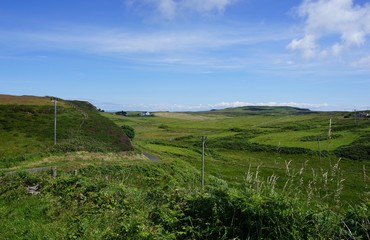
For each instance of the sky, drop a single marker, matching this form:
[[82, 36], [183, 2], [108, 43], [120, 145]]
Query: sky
[[188, 55]]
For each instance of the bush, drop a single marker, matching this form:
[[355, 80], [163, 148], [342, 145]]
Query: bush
[[314, 138], [354, 151], [129, 131], [358, 150], [240, 142]]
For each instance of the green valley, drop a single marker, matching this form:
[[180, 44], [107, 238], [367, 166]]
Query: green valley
[[270, 173], [279, 141]]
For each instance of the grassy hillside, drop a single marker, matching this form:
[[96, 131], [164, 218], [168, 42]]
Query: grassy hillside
[[27, 127]]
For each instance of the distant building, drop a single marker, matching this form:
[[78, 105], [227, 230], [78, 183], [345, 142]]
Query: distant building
[[145, 114], [362, 115]]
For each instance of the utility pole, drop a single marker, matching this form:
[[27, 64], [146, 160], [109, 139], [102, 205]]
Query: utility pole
[[203, 144], [318, 146], [55, 121], [329, 133]]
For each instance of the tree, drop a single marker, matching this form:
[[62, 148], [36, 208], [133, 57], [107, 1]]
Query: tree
[[122, 113], [129, 131]]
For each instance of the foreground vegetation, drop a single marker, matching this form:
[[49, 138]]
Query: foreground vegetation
[[267, 177], [136, 199]]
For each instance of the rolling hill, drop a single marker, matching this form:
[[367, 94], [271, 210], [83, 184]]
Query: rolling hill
[[262, 110], [27, 127]]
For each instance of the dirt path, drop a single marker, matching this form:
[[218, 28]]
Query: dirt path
[[151, 157]]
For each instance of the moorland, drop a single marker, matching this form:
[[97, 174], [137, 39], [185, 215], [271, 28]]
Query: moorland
[[270, 173]]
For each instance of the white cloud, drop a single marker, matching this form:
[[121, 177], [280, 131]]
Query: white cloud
[[306, 45], [122, 41], [331, 27], [170, 9], [363, 62], [187, 47], [206, 6]]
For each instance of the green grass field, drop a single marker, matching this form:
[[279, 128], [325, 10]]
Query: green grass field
[[265, 178], [277, 141]]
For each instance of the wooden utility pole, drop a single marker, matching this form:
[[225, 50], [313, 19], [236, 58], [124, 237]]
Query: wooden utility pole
[[203, 144], [318, 146], [329, 133], [55, 121]]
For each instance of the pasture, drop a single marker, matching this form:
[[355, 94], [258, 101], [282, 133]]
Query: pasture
[[265, 177], [281, 143]]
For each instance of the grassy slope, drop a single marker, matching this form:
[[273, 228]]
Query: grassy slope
[[237, 142], [27, 124]]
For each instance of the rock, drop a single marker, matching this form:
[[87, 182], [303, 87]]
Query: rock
[[33, 190]]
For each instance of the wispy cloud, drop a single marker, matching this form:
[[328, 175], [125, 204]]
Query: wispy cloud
[[331, 27], [206, 5], [363, 63], [223, 47], [171, 9]]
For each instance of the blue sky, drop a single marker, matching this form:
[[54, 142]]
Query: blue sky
[[188, 54]]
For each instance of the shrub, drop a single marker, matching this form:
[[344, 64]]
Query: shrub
[[358, 150], [321, 137], [240, 142], [129, 131], [354, 151]]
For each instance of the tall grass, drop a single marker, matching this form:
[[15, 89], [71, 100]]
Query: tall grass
[[164, 201]]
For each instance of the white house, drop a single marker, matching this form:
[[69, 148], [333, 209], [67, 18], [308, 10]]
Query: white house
[[145, 114]]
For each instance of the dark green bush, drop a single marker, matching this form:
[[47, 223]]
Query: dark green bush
[[129, 131], [240, 142], [354, 151], [321, 137], [358, 150]]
